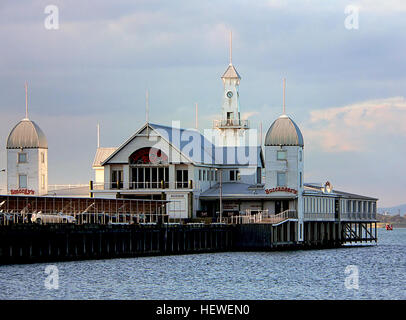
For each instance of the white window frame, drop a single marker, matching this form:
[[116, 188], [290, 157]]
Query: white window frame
[[277, 178], [26, 181], [20, 154], [281, 152]]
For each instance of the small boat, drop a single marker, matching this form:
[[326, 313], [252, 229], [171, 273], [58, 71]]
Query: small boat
[[389, 226]]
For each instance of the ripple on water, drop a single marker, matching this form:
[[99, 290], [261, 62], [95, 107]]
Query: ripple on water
[[310, 274]]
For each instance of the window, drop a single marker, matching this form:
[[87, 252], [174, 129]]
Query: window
[[43, 181], [216, 175], [153, 177], [200, 175], [234, 175], [259, 175], [182, 178], [204, 175], [300, 155], [300, 179], [22, 181], [281, 155], [281, 179], [42, 157], [22, 158], [117, 179]]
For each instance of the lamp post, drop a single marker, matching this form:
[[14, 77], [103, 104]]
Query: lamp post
[[3, 170], [221, 193]]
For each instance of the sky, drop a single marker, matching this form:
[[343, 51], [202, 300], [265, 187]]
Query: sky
[[345, 87]]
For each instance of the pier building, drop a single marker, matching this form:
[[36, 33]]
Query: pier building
[[223, 175]]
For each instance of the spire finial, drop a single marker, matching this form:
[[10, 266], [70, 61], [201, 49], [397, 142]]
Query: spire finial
[[26, 100], [98, 135], [231, 47], [284, 85], [197, 121], [147, 110], [147, 106]]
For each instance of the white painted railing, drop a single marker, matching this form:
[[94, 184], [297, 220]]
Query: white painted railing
[[262, 216], [358, 216], [318, 216]]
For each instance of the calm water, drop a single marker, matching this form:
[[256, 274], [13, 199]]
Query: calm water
[[314, 274]]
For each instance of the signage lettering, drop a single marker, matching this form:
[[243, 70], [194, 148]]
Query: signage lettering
[[22, 191], [280, 189]]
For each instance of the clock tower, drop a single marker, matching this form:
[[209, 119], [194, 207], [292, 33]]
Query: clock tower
[[230, 128]]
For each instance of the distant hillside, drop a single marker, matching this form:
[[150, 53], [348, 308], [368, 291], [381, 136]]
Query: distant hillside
[[396, 221], [394, 210]]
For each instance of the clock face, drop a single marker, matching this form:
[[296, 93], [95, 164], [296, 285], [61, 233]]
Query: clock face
[[229, 94]]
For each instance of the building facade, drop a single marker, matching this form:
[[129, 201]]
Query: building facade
[[204, 176], [27, 159]]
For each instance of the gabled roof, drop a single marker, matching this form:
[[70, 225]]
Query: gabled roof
[[231, 72], [101, 155], [199, 150], [180, 138], [317, 188]]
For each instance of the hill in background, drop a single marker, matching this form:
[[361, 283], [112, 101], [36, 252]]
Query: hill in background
[[400, 209]]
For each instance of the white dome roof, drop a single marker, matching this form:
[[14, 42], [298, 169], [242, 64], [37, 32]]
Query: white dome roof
[[285, 132], [26, 134]]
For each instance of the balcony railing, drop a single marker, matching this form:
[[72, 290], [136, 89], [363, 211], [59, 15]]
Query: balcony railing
[[143, 185], [318, 216], [261, 216], [231, 123], [358, 216]]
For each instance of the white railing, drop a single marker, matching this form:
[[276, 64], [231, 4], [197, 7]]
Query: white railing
[[262, 216], [318, 216], [358, 216], [143, 185], [58, 187], [230, 123], [285, 215]]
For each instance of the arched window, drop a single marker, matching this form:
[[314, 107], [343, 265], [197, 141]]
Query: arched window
[[148, 155]]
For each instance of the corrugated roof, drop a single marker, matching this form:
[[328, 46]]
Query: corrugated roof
[[26, 134], [101, 155], [231, 72], [206, 152], [317, 188], [199, 149], [234, 190], [285, 132]]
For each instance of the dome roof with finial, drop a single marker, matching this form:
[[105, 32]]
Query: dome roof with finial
[[26, 134], [285, 132]]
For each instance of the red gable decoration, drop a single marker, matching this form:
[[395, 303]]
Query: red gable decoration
[[148, 155]]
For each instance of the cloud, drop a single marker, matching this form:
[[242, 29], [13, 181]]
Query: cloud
[[246, 115], [356, 127]]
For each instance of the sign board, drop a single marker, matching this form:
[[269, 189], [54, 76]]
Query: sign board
[[280, 189], [178, 206], [22, 191]]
